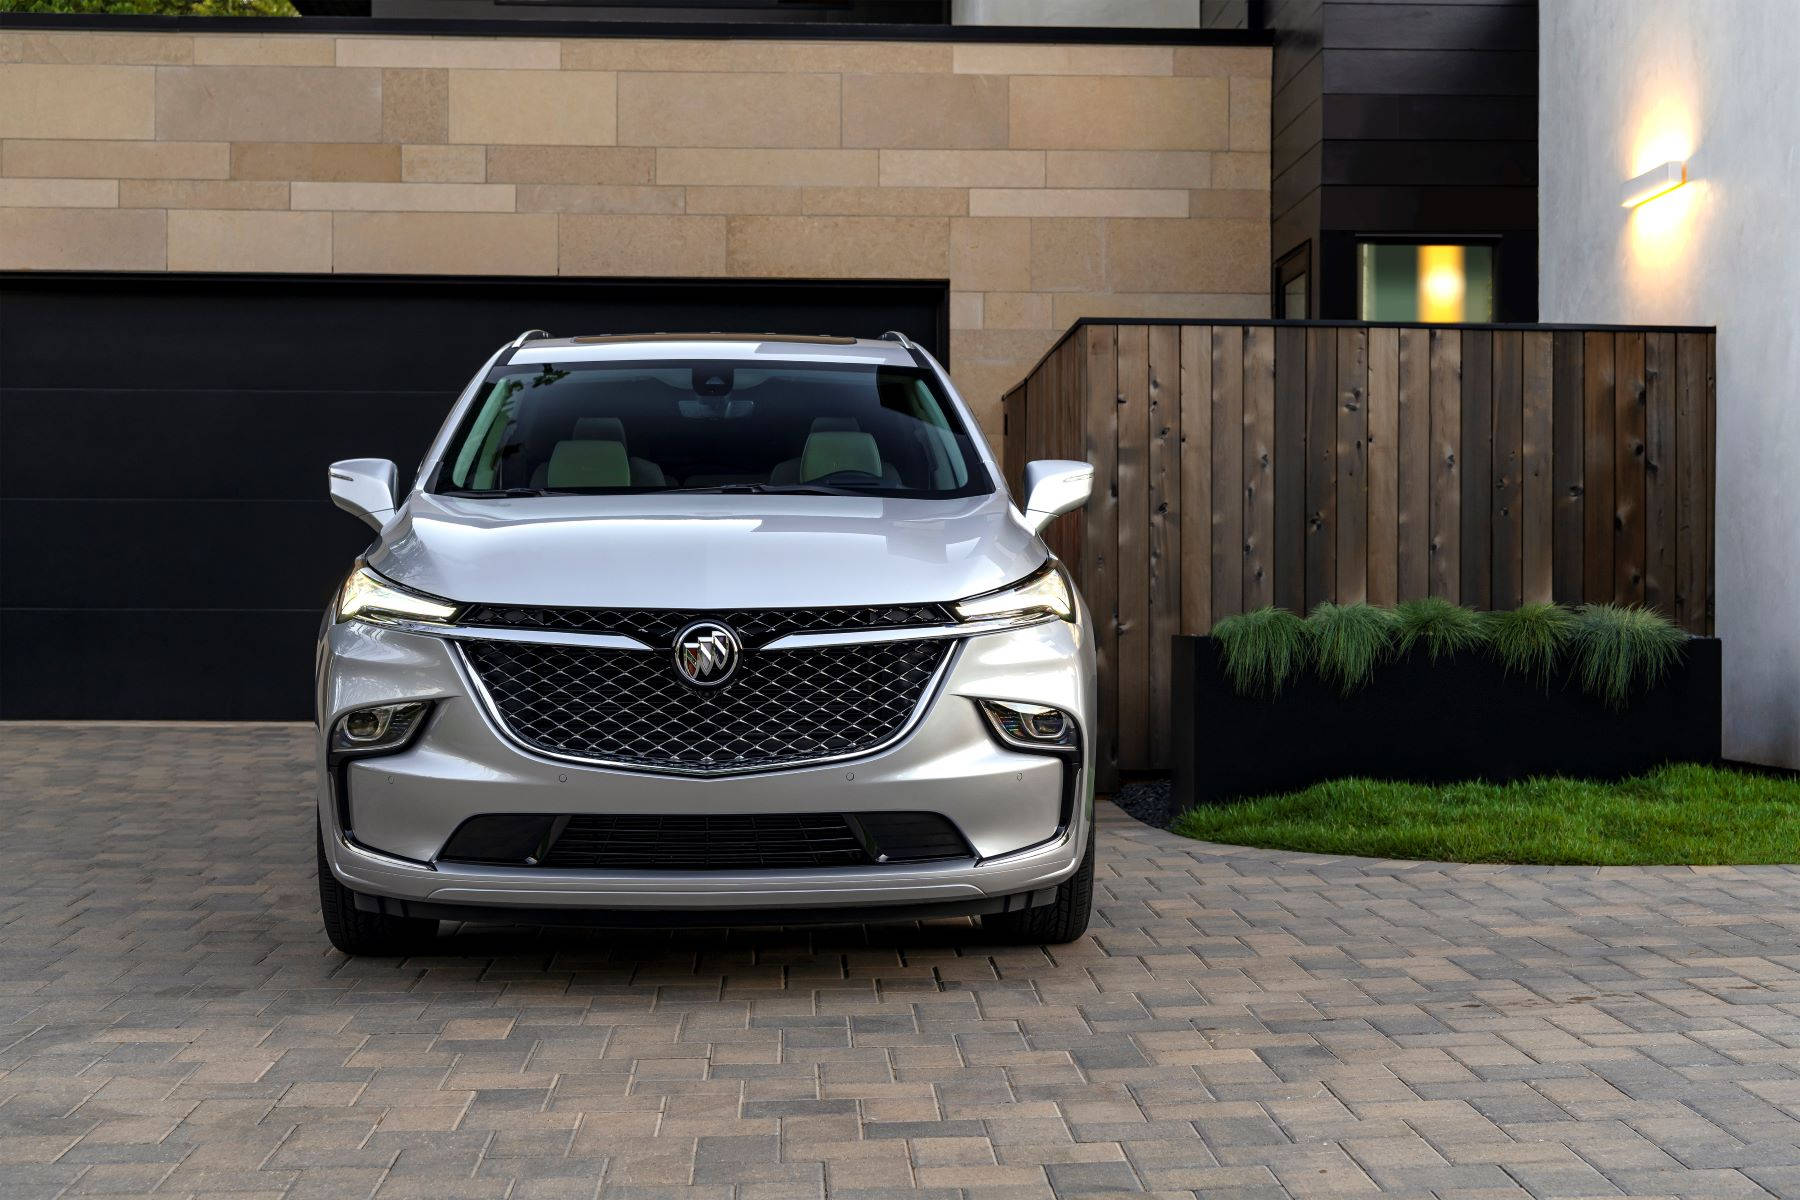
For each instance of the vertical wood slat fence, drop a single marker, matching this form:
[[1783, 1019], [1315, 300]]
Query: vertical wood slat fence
[[1291, 463]]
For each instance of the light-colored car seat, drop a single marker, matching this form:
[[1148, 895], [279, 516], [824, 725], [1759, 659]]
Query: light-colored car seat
[[644, 473], [791, 470], [585, 463], [830, 452]]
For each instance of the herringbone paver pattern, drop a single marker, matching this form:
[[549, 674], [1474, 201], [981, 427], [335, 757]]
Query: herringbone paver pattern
[[1240, 1023]]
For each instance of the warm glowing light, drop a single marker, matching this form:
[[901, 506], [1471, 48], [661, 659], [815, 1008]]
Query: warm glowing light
[[1662, 242], [1659, 238], [1442, 283], [1664, 130], [1657, 181]]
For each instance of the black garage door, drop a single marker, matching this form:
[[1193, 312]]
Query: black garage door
[[166, 547]]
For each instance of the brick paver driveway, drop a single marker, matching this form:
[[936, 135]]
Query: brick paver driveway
[[1240, 1023]]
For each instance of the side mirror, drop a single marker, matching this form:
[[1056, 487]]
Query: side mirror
[[1054, 486], [364, 487]]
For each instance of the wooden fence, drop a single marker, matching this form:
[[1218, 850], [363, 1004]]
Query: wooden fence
[[1296, 462]]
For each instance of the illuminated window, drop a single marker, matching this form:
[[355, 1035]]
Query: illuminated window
[[1404, 281]]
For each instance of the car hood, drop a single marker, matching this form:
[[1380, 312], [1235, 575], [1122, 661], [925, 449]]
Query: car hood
[[705, 551]]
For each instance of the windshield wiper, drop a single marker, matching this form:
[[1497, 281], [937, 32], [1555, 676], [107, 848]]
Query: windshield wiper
[[811, 489], [495, 493], [765, 489]]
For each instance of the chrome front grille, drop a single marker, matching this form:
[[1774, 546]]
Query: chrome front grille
[[781, 708], [757, 627]]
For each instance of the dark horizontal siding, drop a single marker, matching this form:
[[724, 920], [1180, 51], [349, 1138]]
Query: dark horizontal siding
[[1297, 117], [1429, 164], [1303, 132], [1297, 180], [1430, 26], [1401, 118], [1441, 118], [1445, 210], [1292, 98], [1432, 72]]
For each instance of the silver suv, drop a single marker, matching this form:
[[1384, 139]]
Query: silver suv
[[711, 628]]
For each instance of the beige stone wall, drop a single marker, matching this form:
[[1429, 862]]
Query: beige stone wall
[[1045, 182]]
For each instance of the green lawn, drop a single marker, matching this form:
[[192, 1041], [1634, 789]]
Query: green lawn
[[1685, 814]]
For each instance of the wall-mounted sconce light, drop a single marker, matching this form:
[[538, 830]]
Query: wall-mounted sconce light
[[1653, 183]]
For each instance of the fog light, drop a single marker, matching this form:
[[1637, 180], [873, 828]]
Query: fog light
[[366, 726], [1031, 726], [380, 729]]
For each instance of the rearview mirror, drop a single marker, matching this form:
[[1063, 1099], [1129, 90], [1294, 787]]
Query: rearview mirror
[[1054, 486], [364, 487]]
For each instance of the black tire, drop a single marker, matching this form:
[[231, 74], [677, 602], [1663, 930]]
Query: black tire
[[364, 933], [1054, 924]]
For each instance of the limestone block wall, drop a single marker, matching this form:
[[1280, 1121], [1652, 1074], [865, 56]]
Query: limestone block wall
[[1044, 182]]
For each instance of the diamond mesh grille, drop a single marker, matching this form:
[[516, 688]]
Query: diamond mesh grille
[[658, 626], [781, 707]]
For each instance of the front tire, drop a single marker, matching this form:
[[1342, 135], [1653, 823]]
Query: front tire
[[359, 933], [1055, 924]]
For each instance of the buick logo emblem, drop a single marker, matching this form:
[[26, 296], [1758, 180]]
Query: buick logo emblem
[[706, 653]]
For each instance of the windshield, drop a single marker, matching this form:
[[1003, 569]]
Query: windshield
[[806, 428]]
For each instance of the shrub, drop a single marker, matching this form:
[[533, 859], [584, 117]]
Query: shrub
[[1442, 627], [1620, 650], [1614, 651], [1529, 640], [1261, 649], [161, 8], [1348, 640]]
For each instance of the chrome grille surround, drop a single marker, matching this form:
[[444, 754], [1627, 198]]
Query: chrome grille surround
[[782, 709], [657, 626]]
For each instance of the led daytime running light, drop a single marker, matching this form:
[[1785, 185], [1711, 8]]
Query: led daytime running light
[[368, 597], [1046, 593]]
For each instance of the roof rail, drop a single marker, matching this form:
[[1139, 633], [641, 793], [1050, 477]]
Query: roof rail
[[912, 348], [527, 336]]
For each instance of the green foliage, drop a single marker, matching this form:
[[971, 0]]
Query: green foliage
[[1440, 626], [1348, 640], [156, 8], [1261, 649], [1615, 652], [1529, 640], [1621, 650], [1690, 815]]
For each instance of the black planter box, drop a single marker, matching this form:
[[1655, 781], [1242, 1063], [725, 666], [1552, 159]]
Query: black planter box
[[1459, 718]]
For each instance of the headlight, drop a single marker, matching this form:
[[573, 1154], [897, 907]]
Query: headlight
[[1044, 593], [1031, 726], [381, 729], [369, 597]]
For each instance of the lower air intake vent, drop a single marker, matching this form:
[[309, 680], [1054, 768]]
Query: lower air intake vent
[[696, 843], [704, 842]]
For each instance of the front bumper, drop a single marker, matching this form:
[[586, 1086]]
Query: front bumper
[[1026, 816]]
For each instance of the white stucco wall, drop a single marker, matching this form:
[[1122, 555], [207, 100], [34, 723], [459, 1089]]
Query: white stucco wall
[[1628, 84]]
